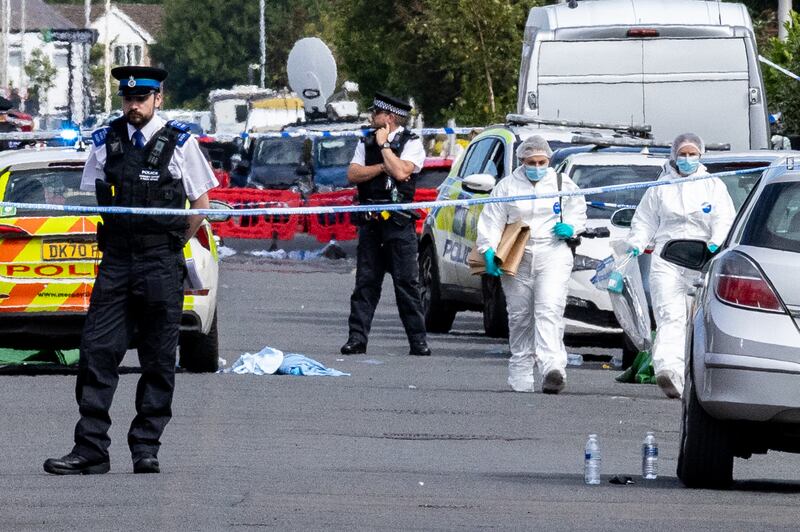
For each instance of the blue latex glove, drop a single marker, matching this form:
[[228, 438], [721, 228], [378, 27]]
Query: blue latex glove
[[563, 231], [712, 247], [634, 251], [491, 266]]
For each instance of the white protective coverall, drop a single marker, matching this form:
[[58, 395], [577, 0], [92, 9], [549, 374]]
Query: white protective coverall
[[537, 295], [699, 210]]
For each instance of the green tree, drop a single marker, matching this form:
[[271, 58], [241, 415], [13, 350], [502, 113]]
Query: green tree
[[457, 58], [41, 76], [783, 92], [207, 44]]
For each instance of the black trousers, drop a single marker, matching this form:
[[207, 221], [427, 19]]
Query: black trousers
[[384, 246], [136, 290]]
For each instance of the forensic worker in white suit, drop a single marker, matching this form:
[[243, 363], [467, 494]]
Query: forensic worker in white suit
[[698, 210], [537, 295]]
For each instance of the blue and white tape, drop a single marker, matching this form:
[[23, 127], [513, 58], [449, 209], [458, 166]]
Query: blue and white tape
[[361, 132], [333, 209], [778, 68]]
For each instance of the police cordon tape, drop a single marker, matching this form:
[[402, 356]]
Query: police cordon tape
[[368, 208], [361, 132], [87, 134]]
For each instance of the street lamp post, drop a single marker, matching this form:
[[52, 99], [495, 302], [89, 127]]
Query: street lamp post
[[263, 42]]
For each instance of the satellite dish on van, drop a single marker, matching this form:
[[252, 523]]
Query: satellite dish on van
[[312, 73]]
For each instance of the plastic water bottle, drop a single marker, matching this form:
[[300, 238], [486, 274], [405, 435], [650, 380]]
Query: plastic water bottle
[[650, 457], [591, 463]]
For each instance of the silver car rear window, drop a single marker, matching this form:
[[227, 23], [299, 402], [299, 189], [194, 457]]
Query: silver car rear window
[[775, 219]]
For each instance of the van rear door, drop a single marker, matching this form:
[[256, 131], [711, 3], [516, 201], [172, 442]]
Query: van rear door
[[699, 85], [593, 80]]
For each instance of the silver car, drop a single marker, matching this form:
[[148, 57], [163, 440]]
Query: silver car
[[743, 344]]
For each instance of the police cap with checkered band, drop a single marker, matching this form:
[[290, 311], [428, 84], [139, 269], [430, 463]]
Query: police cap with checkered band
[[384, 102]]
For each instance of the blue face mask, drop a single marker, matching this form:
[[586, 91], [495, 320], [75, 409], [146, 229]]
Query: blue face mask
[[687, 164], [535, 173]]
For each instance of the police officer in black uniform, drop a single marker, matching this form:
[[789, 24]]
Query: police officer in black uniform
[[139, 161], [384, 167]]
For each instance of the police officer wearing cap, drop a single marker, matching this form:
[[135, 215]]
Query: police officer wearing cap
[[138, 161], [384, 168]]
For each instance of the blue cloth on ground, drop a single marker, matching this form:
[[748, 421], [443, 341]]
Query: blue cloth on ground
[[270, 361]]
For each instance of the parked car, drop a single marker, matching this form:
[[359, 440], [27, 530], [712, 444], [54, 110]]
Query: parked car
[[449, 233], [302, 163], [48, 261], [743, 342]]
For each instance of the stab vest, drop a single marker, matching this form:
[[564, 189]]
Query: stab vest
[[379, 188], [141, 178]]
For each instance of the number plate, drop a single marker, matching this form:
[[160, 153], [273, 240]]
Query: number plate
[[70, 251]]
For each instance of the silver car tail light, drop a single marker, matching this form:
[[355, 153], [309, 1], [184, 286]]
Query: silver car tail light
[[738, 281]]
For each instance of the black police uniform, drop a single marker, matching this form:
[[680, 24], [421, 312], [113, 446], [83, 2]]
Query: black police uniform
[[386, 245], [138, 293]]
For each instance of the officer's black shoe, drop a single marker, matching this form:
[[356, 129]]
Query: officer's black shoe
[[420, 349], [146, 464], [75, 464], [354, 347]]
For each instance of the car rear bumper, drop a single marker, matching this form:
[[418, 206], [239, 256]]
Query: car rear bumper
[[746, 363], [750, 388]]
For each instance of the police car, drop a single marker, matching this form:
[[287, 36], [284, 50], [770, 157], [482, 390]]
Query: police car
[[49, 260], [449, 234]]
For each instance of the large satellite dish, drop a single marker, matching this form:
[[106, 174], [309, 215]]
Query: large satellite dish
[[312, 73]]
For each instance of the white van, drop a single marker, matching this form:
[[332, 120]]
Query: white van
[[676, 65]]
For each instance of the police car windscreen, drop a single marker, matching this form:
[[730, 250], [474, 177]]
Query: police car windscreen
[[587, 176], [51, 186], [335, 152]]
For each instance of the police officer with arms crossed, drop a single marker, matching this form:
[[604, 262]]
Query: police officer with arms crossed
[[384, 167], [139, 161]]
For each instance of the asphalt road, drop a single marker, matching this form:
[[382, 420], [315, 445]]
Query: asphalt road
[[404, 443]]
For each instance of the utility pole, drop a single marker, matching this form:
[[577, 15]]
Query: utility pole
[[784, 7], [107, 43], [6, 33], [23, 82], [263, 41]]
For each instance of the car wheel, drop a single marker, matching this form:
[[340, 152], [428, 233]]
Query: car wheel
[[199, 353], [495, 315], [629, 351], [705, 458], [439, 315]]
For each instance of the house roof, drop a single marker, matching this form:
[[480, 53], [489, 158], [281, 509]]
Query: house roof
[[39, 16], [148, 17]]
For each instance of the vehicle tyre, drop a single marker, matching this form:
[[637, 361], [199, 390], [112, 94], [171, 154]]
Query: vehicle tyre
[[199, 353], [495, 314], [705, 458], [439, 315], [629, 351]]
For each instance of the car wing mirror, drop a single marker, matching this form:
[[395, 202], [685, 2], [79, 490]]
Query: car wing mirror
[[221, 206], [691, 254], [622, 217], [479, 183]]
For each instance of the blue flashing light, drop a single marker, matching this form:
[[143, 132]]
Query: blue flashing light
[[69, 134]]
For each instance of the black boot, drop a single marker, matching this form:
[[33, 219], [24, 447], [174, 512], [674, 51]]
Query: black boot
[[354, 347], [419, 349], [75, 464]]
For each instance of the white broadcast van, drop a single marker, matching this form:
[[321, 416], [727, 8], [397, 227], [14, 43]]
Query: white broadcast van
[[676, 65]]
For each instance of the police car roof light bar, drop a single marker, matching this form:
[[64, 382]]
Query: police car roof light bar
[[637, 129], [605, 142]]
